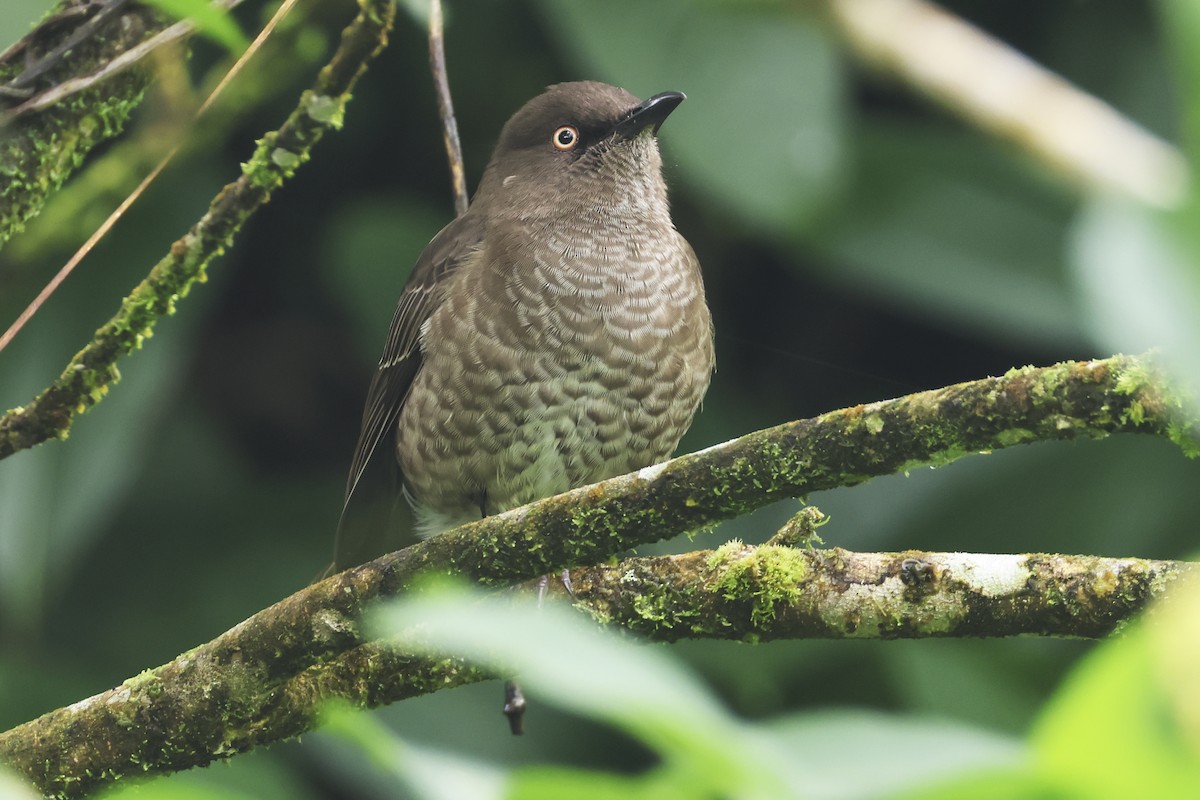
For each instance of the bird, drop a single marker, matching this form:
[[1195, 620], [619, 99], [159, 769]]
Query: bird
[[553, 335]]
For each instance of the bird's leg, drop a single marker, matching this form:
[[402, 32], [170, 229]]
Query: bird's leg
[[514, 707], [514, 698], [543, 585]]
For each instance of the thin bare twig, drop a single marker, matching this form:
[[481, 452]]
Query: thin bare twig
[[437, 63]]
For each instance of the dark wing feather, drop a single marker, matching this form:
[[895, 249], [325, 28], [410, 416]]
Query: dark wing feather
[[397, 368]]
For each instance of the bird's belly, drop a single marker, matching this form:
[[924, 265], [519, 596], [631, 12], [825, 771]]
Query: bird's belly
[[482, 442]]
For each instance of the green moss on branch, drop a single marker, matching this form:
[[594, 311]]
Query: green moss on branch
[[266, 679], [763, 593], [39, 151], [93, 370]]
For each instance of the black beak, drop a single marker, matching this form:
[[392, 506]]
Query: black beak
[[649, 114]]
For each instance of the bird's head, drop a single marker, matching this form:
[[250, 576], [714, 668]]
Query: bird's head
[[577, 146]]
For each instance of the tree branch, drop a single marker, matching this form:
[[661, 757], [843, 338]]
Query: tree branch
[[997, 89], [263, 679], [773, 592], [90, 373], [39, 151], [217, 700]]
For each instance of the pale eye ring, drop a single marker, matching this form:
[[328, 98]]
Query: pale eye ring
[[566, 137]]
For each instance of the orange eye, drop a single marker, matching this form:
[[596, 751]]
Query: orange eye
[[566, 137]]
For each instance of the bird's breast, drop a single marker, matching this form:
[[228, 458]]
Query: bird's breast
[[571, 355]]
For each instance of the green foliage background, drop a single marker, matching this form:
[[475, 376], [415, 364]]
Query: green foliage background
[[858, 243]]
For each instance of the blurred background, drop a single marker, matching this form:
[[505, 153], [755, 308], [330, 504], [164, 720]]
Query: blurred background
[[858, 240]]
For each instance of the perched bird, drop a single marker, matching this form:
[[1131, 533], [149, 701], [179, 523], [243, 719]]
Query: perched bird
[[554, 335]]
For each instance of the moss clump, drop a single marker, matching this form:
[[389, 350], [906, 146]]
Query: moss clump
[[1154, 396], [765, 577]]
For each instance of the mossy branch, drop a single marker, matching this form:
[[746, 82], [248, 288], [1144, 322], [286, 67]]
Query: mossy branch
[[777, 591], [279, 153], [264, 679], [39, 151], [232, 694]]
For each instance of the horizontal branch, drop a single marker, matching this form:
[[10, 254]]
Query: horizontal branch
[[279, 154], [772, 592], [202, 707], [738, 592], [262, 680]]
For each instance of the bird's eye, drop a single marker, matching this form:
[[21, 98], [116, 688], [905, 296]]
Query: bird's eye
[[566, 137]]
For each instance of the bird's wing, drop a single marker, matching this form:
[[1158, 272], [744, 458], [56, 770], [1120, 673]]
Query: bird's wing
[[401, 360]]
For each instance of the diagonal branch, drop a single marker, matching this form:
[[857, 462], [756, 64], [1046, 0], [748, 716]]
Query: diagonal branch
[[90, 373], [770, 592], [263, 680]]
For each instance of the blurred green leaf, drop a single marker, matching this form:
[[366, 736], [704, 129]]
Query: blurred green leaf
[[433, 774], [563, 660], [1126, 723], [1025, 784], [210, 21], [551, 783], [949, 226], [56, 499], [761, 133], [845, 754], [368, 248], [1139, 275], [172, 789], [13, 788], [430, 774], [1181, 29]]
